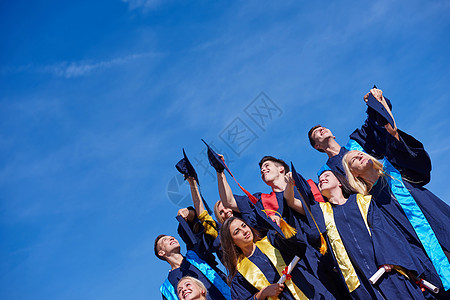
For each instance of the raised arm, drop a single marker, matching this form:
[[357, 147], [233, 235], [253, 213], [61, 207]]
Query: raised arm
[[378, 94], [225, 192], [196, 198], [291, 201]]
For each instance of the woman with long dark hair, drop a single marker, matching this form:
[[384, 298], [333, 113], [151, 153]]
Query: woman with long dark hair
[[255, 265]]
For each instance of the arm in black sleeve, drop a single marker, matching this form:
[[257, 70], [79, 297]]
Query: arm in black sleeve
[[409, 157]]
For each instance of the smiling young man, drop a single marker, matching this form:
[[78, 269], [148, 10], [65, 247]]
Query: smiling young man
[[167, 248], [371, 138], [272, 173]]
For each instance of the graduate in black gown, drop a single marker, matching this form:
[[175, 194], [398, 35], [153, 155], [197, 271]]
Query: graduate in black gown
[[361, 239], [371, 137], [408, 159], [255, 265], [272, 172], [167, 248], [419, 214]]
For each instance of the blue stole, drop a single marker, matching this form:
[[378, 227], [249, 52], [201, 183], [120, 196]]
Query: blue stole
[[414, 214], [418, 221], [169, 292]]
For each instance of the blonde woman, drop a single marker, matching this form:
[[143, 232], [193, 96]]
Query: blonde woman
[[422, 217], [190, 288], [361, 239]]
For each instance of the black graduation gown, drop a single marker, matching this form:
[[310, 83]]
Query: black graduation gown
[[384, 246], [194, 236], [410, 158], [319, 265], [306, 281]]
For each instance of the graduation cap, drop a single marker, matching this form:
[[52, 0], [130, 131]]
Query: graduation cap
[[219, 164], [185, 167], [214, 160], [304, 190], [382, 115]]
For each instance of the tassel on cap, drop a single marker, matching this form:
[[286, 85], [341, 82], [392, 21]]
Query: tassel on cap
[[287, 229]]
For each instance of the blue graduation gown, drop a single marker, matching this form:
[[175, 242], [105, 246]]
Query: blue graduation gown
[[187, 269], [301, 275], [384, 246]]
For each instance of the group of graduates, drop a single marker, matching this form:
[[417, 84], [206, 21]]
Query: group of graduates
[[366, 229]]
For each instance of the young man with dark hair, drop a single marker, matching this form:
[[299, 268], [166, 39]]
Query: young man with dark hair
[[371, 137], [273, 171], [168, 248]]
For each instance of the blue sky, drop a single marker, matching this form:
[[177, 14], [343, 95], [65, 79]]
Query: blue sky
[[97, 99]]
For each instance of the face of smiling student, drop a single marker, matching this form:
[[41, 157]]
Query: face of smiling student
[[320, 135], [328, 181], [188, 289], [168, 244], [271, 171], [224, 212]]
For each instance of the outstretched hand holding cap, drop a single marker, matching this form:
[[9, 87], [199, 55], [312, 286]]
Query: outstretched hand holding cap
[[214, 159]]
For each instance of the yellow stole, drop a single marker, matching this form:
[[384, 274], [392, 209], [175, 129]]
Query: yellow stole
[[346, 266], [256, 277]]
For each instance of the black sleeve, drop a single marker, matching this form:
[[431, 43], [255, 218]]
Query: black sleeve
[[409, 157], [197, 240], [372, 137]]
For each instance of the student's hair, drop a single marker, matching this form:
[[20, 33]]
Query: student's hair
[[311, 140], [232, 253], [156, 246], [359, 184], [197, 282], [217, 213], [346, 188], [276, 161]]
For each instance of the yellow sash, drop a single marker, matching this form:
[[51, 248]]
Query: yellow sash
[[256, 277], [346, 266], [363, 204]]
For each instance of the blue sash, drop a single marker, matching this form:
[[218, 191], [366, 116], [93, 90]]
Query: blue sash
[[209, 273], [169, 291], [420, 224]]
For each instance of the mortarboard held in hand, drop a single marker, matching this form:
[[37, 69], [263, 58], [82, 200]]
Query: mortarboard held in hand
[[185, 167], [382, 116], [214, 160]]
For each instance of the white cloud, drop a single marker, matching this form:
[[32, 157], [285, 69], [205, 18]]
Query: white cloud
[[83, 68], [143, 4], [74, 69]]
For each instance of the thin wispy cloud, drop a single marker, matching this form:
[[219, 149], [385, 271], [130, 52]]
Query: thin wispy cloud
[[143, 4], [83, 68], [67, 69]]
